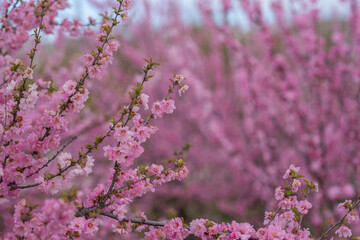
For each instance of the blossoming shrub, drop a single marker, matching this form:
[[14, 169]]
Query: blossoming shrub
[[61, 178], [282, 92]]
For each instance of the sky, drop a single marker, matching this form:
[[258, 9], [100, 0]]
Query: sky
[[81, 9]]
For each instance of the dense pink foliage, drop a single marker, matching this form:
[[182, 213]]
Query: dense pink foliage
[[283, 92], [78, 153]]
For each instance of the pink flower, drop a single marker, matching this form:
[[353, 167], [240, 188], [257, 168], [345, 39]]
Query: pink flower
[[296, 184], [242, 231], [100, 38], [74, 30], [137, 120], [345, 205], [69, 87], [352, 217], [268, 216], [179, 79], [79, 99], [279, 194], [288, 216], [315, 186], [197, 227], [84, 168], [28, 73], [98, 191], [122, 228], [105, 58], [51, 186], [142, 133], [91, 227], [293, 201], [304, 206], [182, 89], [111, 46], [88, 60], [144, 99], [64, 159], [168, 106], [115, 153], [157, 109], [95, 71], [127, 4], [120, 211], [285, 204], [123, 134], [343, 231], [77, 225], [29, 102], [165, 106], [175, 230], [156, 169], [154, 234], [182, 173], [11, 86], [135, 148], [289, 173]]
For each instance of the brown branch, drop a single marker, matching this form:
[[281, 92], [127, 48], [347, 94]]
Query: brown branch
[[340, 221], [117, 168], [51, 159], [134, 220], [273, 217], [13, 7], [278, 210], [32, 54]]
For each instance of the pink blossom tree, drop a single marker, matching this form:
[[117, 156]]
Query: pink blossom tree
[[73, 141], [283, 92]]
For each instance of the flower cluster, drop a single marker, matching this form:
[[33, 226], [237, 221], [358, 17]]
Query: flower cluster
[[49, 222], [36, 116], [285, 223]]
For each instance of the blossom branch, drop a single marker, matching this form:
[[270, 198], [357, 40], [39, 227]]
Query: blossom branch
[[273, 217], [101, 203], [134, 220], [32, 54], [117, 169], [307, 193], [79, 84], [100, 139], [278, 210], [340, 221], [51, 159], [82, 81], [12, 8]]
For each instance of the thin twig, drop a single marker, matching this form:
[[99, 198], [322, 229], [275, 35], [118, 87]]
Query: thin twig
[[5, 120], [82, 81], [273, 217], [32, 56], [134, 220], [51, 159], [278, 210], [13, 7], [117, 168], [340, 221]]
